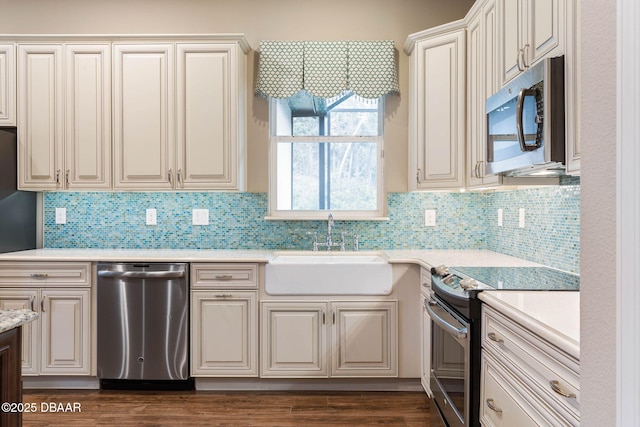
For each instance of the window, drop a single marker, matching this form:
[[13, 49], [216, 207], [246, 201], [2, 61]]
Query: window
[[326, 155]]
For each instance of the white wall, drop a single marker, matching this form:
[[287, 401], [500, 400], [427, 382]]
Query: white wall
[[598, 218], [258, 20]]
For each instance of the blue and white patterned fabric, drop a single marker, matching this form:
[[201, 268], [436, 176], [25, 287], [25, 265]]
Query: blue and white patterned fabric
[[326, 69]]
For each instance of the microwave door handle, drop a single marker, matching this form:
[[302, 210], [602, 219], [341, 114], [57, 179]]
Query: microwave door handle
[[519, 120]]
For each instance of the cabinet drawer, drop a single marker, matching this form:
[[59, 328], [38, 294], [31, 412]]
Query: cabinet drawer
[[232, 275], [537, 362], [45, 273], [505, 401]]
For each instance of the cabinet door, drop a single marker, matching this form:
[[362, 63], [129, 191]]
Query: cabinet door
[[364, 339], [294, 339], [144, 141], [480, 85], [426, 349], [66, 327], [545, 29], [7, 85], [437, 133], [573, 88], [207, 116], [19, 299], [224, 340], [88, 116], [512, 18], [40, 119]]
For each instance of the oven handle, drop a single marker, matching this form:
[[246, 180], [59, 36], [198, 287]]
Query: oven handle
[[459, 334]]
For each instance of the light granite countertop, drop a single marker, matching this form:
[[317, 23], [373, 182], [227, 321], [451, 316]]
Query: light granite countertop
[[538, 310], [426, 258], [552, 315], [10, 319]]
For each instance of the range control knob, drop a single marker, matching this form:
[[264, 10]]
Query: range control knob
[[441, 270], [468, 283]]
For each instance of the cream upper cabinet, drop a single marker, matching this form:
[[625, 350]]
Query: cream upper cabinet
[[210, 116], [572, 88], [143, 98], [88, 116], [191, 139], [40, 117], [437, 108], [7, 85], [64, 121], [529, 31], [481, 50]]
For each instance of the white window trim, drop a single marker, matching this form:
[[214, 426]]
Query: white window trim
[[274, 214]]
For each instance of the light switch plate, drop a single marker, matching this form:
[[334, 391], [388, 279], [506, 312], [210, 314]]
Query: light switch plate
[[200, 217], [430, 217], [61, 215], [152, 217], [500, 214], [521, 217]]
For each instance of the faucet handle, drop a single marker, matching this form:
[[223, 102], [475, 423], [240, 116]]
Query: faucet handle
[[315, 239]]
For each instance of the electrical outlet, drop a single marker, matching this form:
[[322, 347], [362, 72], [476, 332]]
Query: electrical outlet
[[500, 214], [430, 218], [61, 215], [521, 217], [200, 217], [152, 217]]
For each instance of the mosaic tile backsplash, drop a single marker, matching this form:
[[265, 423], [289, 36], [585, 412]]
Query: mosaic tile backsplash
[[236, 221]]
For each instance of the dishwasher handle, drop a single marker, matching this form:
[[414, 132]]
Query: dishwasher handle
[[141, 274]]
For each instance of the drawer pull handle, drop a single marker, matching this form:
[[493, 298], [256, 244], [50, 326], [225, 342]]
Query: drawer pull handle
[[224, 296], [493, 337], [555, 386], [492, 406], [39, 275], [224, 277]]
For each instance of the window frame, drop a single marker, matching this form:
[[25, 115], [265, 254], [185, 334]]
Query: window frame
[[275, 214]]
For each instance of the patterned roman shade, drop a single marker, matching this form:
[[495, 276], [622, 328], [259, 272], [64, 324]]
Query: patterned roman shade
[[326, 69]]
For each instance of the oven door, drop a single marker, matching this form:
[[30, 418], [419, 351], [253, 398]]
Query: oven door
[[450, 357]]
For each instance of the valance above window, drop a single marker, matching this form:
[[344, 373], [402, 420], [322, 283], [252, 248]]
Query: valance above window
[[326, 69]]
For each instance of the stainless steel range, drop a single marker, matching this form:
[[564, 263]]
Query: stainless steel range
[[455, 312]]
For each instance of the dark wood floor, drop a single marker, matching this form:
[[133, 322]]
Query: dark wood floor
[[190, 408]]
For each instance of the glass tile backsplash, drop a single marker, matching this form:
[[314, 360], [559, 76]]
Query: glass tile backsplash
[[236, 221]]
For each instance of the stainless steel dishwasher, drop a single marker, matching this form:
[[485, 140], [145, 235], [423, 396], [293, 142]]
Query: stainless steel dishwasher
[[143, 325]]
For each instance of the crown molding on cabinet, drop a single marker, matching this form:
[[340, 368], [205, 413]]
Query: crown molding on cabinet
[[62, 38]]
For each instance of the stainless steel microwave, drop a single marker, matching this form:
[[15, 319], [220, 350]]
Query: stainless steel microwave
[[526, 123]]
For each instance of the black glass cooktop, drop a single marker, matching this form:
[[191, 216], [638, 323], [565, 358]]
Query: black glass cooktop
[[522, 278]]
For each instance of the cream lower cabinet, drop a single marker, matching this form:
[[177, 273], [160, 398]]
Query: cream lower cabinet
[[329, 339], [224, 337], [425, 329], [59, 341], [525, 380]]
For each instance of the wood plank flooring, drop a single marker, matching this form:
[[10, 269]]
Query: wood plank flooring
[[205, 408]]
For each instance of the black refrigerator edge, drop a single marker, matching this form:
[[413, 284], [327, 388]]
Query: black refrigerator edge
[[18, 209]]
